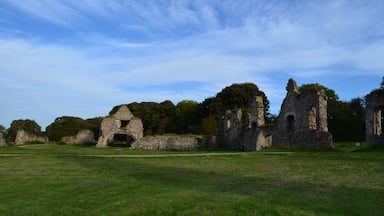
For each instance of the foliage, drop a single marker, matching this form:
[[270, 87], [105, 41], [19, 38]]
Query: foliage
[[332, 96], [236, 96], [186, 116], [208, 125], [28, 125], [2, 129], [70, 126]]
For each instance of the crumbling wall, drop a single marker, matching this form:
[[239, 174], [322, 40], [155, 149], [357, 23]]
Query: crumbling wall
[[302, 120], [247, 131], [374, 118], [121, 122], [23, 136], [2, 140], [82, 137], [174, 142]]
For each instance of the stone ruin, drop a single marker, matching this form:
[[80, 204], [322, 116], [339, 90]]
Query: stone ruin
[[122, 125], [245, 131], [23, 137], [302, 121], [374, 120], [184, 142], [2, 140], [82, 137]]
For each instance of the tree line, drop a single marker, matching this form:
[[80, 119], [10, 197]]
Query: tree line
[[345, 119]]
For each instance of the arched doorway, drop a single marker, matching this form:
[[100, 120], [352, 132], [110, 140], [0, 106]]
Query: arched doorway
[[122, 140]]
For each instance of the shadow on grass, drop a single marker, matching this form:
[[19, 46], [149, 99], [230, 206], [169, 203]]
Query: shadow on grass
[[173, 186]]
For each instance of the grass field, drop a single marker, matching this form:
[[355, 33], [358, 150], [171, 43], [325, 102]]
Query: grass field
[[74, 180]]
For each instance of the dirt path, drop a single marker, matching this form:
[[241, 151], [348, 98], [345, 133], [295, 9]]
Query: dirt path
[[156, 155]]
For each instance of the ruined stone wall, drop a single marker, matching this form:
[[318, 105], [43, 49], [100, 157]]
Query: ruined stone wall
[[23, 136], [374, 118], [122, 122], [82, 137], [246, 132], [302, 120], [174, 142], [2, 140]]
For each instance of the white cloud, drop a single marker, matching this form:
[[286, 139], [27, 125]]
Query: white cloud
[[211, 43]]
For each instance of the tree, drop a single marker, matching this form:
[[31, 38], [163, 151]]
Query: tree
[[187, 118], [329, 92], [28, 125], [2, 129], [208, 125], [357, 127], [70, 126], [236, 96]]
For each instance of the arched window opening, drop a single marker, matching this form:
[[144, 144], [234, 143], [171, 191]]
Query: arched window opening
[[123, 123], [378, 121], [290, 123], [312, 118]]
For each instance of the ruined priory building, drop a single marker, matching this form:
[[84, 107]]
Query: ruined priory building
[[374, 117], [245, 131], [302, 120], [120, 125]]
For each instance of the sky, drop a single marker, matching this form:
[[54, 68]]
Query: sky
[[83, 57]]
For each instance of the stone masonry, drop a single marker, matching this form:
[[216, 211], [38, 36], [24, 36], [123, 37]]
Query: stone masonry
[[303, 119], [247, 131], [82, 137], [23, 136], [302, 122], [374, 117], [122, 122], [175, 142], [2, 140]]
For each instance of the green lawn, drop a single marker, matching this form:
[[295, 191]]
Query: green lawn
[[60, 180]]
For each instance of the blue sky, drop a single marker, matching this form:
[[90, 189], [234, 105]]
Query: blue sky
[[82, 57]]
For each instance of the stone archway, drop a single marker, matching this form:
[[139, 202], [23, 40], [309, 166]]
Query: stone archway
[[122, 140]]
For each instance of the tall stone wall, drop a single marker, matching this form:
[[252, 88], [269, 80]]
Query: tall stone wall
[[302, 120], [2, 140], [245, 131], [374, 117], [23, 136]]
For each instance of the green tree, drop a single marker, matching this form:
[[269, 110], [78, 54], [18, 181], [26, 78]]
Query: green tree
[[70, 126], [187, 116], [28, 125], [236, 96], [208, 125], [331, 94], [357, 127]]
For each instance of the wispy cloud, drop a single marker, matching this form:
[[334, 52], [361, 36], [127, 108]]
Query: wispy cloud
[[111, 52]]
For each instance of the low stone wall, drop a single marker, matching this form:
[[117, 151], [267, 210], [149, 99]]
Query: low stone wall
[[23, 136], [82, 137], [2, 140], [174, 142]]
